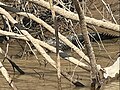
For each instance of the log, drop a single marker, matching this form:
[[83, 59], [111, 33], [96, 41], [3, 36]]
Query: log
[[39, 48], [7, 76], [71, 15], [63, 38], [112, 29], [14, 22]]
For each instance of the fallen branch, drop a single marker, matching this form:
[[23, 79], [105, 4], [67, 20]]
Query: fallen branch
[[71, 15], [108, 25], [38, 47], [45, 55], [48, 27], [64, 55], [49, 47], [22, 13], [7, 77]]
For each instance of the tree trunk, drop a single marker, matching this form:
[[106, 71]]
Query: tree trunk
[[88, 45], [48, 27], [11, 62]]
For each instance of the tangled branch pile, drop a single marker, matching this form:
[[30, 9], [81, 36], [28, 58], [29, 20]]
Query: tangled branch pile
[[31, 21]]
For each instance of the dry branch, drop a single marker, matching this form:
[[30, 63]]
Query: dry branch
[[63, 38], [108, 70], [46, 56], [71, 15], [38, 47], [48, 27], [6, 76], [49, 47], [38, 42]]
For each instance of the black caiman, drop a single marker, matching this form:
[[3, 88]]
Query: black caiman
[[93, 37]]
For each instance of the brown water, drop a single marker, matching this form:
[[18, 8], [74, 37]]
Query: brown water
[[41, 77]]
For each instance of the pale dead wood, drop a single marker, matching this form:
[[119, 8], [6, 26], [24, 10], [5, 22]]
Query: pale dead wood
[[46, 56], [108, 70], [38, 47], [53, 49], [14, 22], [7, 76], [49, 47], [63, 38], [71, 15], [105, 31], [48, 27]]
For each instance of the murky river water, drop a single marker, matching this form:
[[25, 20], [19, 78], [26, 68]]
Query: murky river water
[[41, 76]]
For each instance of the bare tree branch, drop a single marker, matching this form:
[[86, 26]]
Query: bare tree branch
[[49, 47], [71, 15], [6, 76], [48, 27]]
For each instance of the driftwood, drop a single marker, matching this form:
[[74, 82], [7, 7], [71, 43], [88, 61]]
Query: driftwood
[[63, 38], [71, 15], [7, 76], [52, 62], [53, 49], [42, 23]]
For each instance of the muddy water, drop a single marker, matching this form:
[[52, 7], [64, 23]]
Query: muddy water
[[39, 75]]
